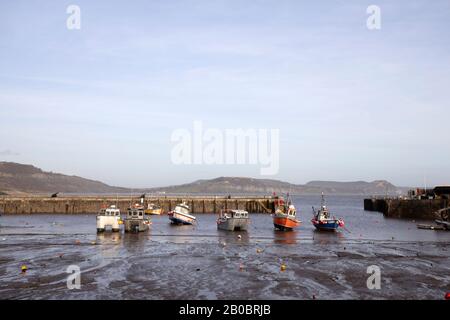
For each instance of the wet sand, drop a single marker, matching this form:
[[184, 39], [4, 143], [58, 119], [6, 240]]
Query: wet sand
[[203, 263]]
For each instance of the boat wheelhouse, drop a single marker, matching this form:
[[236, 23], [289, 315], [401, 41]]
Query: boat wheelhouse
[[233, 220]]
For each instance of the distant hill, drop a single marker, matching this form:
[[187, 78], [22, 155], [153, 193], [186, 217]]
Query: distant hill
[[236, 185], [225, 185], [377, 187], [16, 177], [20, 178]]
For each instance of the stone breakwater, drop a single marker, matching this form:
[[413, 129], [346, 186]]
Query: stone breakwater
[[91, 204], [406, 208]]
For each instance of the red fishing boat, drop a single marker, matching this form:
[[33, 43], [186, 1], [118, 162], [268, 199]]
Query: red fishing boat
[[284, 218]]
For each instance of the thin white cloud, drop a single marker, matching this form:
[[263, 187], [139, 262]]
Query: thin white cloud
[[8, 153]]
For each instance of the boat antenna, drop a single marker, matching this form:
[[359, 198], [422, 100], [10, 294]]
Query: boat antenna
[[131, 198], [425, 181], [323, 200]]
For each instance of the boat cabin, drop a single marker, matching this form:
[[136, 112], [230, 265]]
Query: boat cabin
[[287, 209], [182, 208], [135, 212], [153, 206], [238, 214], [112, 211], [323, 213], [291, 211]]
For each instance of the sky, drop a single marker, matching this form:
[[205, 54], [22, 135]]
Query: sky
[[350, 103]]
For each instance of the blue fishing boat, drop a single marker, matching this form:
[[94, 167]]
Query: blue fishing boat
[[322, 219]]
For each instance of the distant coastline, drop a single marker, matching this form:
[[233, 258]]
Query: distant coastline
[[21, 179]]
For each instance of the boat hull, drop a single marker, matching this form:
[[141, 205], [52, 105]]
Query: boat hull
[[326, 225], [179, 219], [284, 223], [233, 224], [155, 212], [136, 225], [103, 222]]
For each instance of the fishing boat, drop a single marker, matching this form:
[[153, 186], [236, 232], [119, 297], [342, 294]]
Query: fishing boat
[[153, 209], [180, 215], [109, 217], [233, 220], [322, 219], [284, 218], [136, 220]]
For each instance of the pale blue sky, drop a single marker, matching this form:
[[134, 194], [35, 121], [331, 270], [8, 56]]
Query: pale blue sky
[[350, 103]]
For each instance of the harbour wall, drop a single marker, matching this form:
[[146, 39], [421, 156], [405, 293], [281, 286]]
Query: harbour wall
[[88, 205], [406, 208]]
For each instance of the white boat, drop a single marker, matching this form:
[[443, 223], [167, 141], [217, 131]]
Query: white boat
[[233, 220], [180, 215], [109, 217]]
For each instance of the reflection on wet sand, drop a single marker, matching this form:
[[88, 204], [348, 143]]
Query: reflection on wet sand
[[285, 237], [108, 237], [233, 237], [108, 244], [135, 242], [327, 237], [181, 233]]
